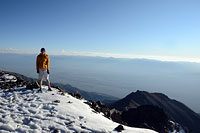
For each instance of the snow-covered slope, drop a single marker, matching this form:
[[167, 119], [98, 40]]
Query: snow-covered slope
[[24, 110]]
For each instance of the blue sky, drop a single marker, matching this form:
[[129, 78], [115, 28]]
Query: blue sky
[[163, 28]]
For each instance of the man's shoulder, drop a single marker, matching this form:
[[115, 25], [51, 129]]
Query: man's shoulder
[[43, 56], [46, 55], [38, 55]]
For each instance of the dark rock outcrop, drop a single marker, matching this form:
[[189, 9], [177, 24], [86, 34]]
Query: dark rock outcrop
[[33, 85], [115, 115], [147, 116], [99, 107], [176, 111], [62, 92], [76, 95], [10, 83]]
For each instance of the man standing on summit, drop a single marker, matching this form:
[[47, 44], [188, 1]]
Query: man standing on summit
[[42, 66]]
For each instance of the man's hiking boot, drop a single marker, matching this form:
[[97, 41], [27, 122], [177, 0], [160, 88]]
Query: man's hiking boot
[[49, 89], [40, 90]]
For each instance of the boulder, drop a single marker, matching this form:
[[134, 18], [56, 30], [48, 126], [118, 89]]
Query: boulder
[[77, 95], [31, 85], [116, 116], [56, 101], [104, 109], [119, 128]]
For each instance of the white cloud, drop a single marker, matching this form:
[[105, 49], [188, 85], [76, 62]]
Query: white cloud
[[93, 54], [16, 51]]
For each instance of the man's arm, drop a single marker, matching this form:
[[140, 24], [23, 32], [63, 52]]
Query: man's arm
[[37, 64], [48, 64]]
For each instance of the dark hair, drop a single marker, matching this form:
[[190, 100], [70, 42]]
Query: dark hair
[[42, 49]]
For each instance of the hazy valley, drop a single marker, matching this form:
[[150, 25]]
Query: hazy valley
[[117, 77]]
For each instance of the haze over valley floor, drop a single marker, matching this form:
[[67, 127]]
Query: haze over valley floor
[[179, 80]]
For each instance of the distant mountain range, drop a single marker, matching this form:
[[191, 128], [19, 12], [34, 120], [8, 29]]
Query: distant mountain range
[[176, 111], [94, 96]]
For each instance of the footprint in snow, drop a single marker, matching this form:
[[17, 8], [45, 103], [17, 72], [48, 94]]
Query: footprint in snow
[[81, 117], [23, 110], [39, 116], [30, 120], [2, 111], [7, 128], [69, 123], [2, 120], [33, 125], [33, 111], [34, 105], [61, 117], [48, 107]]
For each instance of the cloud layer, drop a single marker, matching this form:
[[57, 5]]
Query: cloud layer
[[93, 54]]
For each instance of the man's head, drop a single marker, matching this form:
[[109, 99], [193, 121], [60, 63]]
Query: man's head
[[42, 50]]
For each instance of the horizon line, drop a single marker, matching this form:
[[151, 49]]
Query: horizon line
[[99, 54]]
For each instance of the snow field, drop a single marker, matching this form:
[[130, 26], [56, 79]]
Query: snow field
[[25, 111]]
